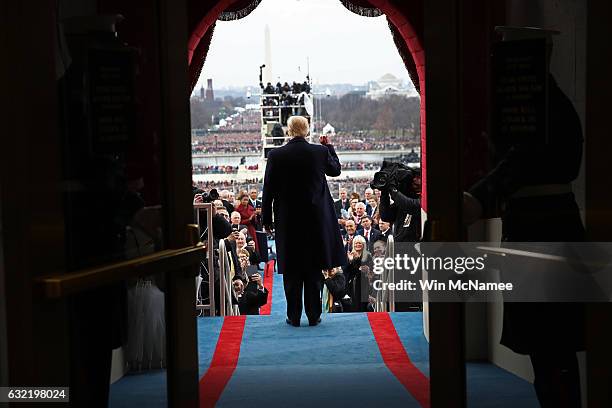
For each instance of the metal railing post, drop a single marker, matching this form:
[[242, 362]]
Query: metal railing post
[[222, 269], [391, 294], [209, 253]]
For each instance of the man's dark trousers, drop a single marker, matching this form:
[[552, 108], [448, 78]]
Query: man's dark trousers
[[310, 280]]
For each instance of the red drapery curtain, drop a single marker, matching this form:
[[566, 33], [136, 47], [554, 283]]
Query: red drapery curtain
[[199, 57], [406, 55], [201, 32]]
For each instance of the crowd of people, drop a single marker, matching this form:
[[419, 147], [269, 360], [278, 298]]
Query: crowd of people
[[365, 222], [227, 142], [197, 169], [214, 169], [231, 185], [359, 165], [350, 141], [250, 142], [285, 89], [237, 221], [352, 184]]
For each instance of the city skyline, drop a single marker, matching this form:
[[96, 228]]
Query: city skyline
[[319, 33]]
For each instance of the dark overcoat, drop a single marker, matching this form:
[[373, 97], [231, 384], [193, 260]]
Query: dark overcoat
[[296, 192]]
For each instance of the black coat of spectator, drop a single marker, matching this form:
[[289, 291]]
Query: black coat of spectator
[[373, 236], [404, 214], [338, 206], [252, 299], [357, 286], [336, 285]]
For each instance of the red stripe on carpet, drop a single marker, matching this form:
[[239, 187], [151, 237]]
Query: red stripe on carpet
[[396, 358], [223, 362], [268, 284]]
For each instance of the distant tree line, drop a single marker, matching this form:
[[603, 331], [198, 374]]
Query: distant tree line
[[353, 112]]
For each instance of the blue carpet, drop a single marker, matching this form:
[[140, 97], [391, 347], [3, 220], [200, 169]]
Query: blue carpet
[[489, 386], [335, 364], [146, 389]]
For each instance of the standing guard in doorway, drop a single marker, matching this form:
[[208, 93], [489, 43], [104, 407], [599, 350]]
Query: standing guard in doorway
[[532, 183]]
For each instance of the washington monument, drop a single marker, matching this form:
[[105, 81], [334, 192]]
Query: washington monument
[[267, 72]]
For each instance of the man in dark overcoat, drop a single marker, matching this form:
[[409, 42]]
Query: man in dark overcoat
[[306, 229]]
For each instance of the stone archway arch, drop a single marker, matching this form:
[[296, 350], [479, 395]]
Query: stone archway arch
[[405, 19]]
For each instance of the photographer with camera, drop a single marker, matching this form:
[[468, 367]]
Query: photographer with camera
[[334, 291], [402, 185], [250, 293]]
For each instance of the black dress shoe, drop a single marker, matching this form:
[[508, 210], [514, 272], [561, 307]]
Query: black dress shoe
[[315, 323], [292, 323]]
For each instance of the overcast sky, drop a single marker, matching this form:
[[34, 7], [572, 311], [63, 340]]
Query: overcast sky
[[343, 47]]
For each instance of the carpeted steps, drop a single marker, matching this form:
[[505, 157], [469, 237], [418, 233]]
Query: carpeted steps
[[265, 362]]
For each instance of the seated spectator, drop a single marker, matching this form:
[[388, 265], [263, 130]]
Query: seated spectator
[[334, 291], [385, 229], [248, 245], [243, 258], [350, 231], [234, 262], [342, 203], [352, 203], [360, 212], [223, 213], [372, 210], [370, 234], [356, 273], [253, 255], [235, 220], [224, 195], [369, 193], [252, 296], [248, 216]]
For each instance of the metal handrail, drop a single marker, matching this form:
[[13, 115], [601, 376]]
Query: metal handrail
[[226, 308], [209, 249], [385, 298], [391, 254]]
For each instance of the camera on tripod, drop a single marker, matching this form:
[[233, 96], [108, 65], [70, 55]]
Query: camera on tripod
[[209, 197], [394, 175]]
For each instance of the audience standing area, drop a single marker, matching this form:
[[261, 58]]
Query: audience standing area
[[351, 359]]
